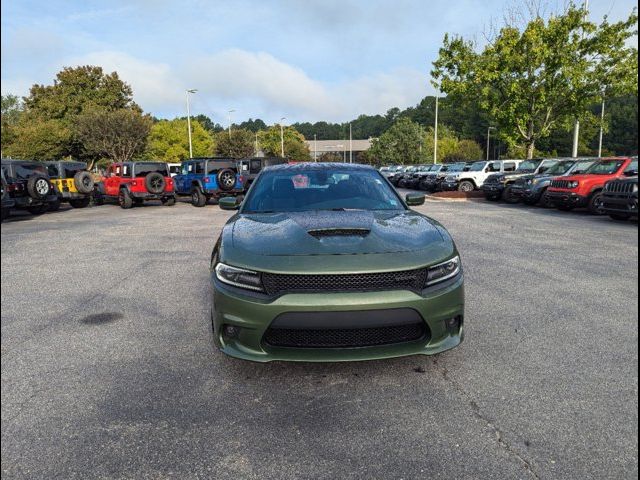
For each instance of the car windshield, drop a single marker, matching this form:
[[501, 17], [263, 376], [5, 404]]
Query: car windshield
[[528, 166], [560, 168], [477, 167], [456, 167], [581, 167], [336, 188], [605, 167], [144, 169]]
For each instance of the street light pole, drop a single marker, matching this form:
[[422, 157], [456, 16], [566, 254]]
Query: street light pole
[[229, 113], [350, 145], [315, 147], [193, 90], [282, 136], [576, 127], [435, 133], [601, 128]]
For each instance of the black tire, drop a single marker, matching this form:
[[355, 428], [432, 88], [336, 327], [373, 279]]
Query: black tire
[[596, 205], [5, 214], [198, 199], [80, 202], [38, 209], [226, 179], [509, 197], [620, 217], [138, 202], [38, 187], [466, 186], [545, 201], [84, 182], [54, 206], [124, 199], [169, 201], [155, 183], [493, 198]]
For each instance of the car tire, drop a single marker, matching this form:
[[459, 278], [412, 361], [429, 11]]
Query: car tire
[[226, 179], [620, 217], [80, 202], [198, 199], [169, 201], [38, 209], [466, 186], [509, 197], [55, 206], [596, 205], [493, 198], [155, 183], [38, 187], [84, 182], [124, 199]]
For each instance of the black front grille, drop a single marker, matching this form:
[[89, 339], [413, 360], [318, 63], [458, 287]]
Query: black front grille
[[345, 338], [619, 187], [560, 184], [276, 284]]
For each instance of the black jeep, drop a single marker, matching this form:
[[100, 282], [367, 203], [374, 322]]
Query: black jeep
[[28, 186], [72, 182], [620, 198], [251, 167]]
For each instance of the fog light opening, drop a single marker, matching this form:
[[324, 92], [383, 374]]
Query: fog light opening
[[230, 331], [453, 324]]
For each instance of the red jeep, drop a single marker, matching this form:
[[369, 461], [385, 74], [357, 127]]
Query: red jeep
[[585, 190], [131, 183]]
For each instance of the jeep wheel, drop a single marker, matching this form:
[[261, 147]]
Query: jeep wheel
[[198, 199], [124, 199], [596, 204], [545, 201], [38, 209], [509, 197], [466, 186], [84, 182], [620, 217], [54, 206], [155, 183], [80, 202], [169, 201], [38, 187], [226, 179]]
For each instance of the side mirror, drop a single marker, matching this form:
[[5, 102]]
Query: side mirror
[[228, 203], [414, 199]]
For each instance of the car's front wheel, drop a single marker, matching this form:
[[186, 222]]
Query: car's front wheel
[[620, 217], [125, 200], [466, 186], [509, 197], [198, 199], [596, 204]]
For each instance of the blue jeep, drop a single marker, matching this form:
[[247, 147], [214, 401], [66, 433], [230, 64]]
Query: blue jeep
[[205, 178]]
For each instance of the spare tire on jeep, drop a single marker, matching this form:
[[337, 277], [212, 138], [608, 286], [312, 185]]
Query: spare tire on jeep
[[155, 182], [226, 179], [84, 181], [38, 187]]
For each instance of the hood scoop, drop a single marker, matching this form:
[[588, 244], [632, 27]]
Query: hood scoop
[[339, 232]]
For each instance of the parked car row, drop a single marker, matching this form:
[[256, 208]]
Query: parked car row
[[43, 186]]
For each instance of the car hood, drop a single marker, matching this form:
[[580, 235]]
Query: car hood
[[382, 241]]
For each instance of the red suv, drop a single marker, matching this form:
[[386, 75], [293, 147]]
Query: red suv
[[131, 183], [585, 190]]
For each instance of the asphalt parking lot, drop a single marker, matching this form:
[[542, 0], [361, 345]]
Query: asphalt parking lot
[[108, 370]]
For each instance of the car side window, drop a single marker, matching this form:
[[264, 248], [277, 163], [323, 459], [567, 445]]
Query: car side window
[[493, 167], [255, 166], [510, 166], [633, 167], [199, 167], [118, 170], [126, 171]]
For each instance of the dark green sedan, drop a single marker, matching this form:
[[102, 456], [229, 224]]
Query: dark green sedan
[[326, 262]]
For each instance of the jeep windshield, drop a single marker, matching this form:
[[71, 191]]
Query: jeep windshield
[[455, 167], [304, 190], [529, 166], [144, 169], [478, 166], [605, 167]]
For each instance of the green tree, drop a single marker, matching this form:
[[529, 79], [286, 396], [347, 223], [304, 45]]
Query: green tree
[[294, 147], [169, 141], [10, 116], [530, 80], [401, 144], [118, 135], [38, 139], [239, 143]]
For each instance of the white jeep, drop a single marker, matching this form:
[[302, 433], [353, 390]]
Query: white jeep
[[474, 178]]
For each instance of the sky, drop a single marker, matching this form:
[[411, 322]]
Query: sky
[[304, 60]]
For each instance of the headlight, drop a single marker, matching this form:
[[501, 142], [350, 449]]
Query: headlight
[[443, 271], [635, 188], [239, 277], [574, 184]]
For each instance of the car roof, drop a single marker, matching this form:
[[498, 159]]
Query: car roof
[[313, 166]]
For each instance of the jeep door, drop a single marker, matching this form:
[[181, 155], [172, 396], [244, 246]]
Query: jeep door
[[112, 180], [180, 181]]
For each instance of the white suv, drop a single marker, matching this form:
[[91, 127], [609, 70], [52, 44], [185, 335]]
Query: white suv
[[474, 178]]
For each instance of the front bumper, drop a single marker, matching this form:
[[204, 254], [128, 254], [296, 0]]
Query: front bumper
[[492, 189], [620, 204], [253, 316], [567, 199]]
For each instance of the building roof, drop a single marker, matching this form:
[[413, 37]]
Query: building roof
[[338, 145]]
